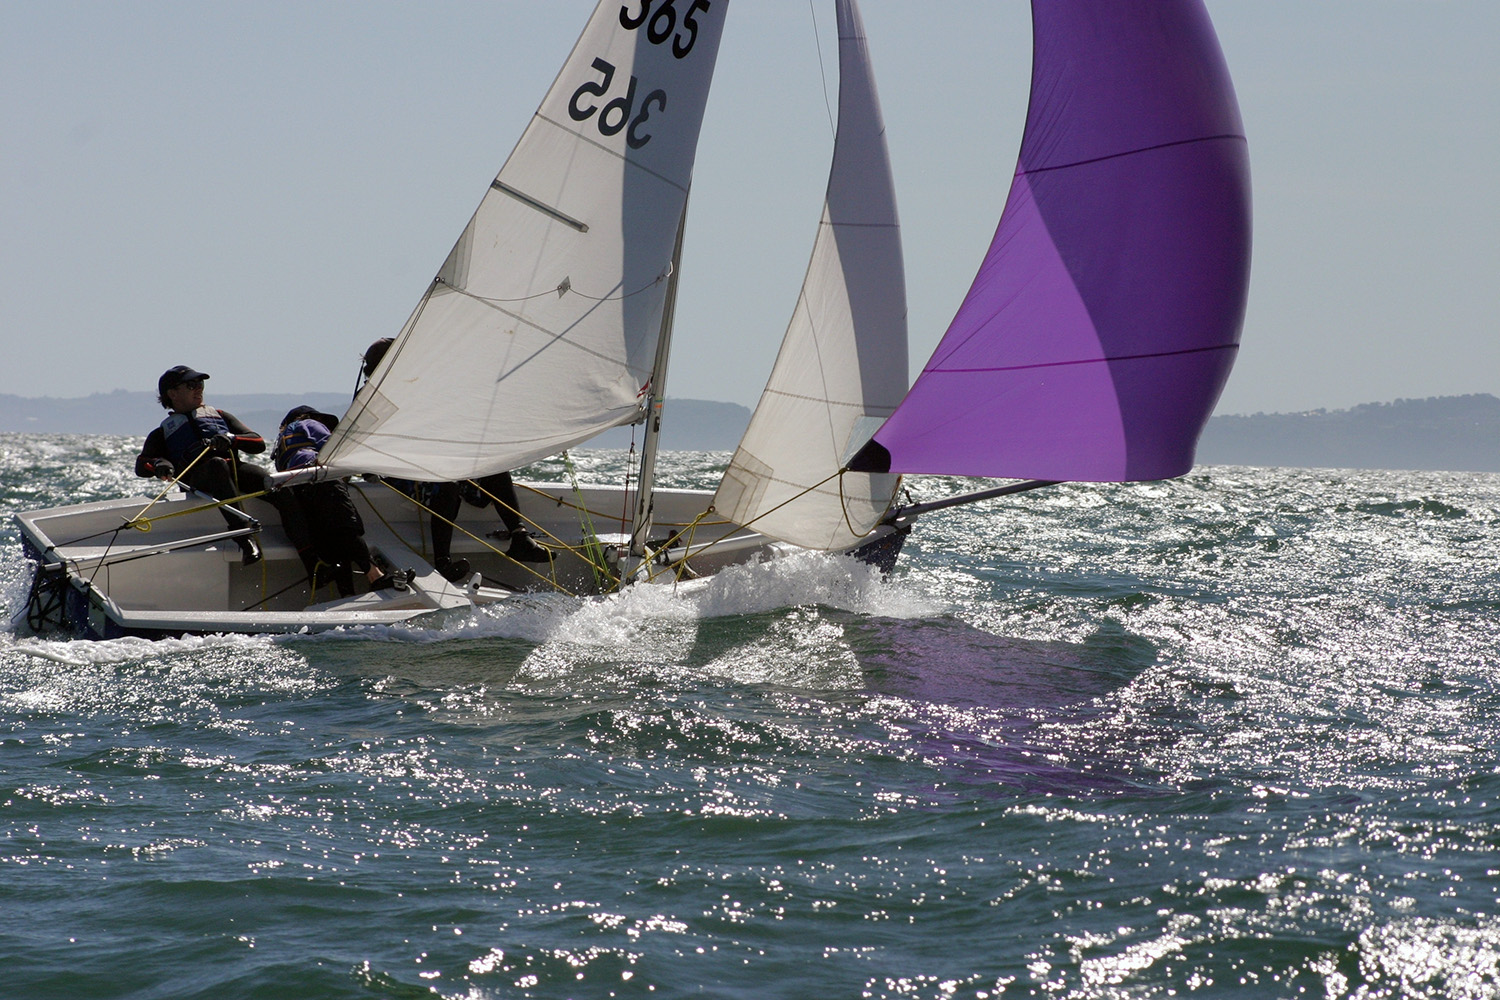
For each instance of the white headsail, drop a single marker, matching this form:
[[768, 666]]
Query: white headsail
[[540, 329], [842, 367]]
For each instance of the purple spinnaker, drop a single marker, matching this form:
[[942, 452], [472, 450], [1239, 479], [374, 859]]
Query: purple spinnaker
[[1105, 317]]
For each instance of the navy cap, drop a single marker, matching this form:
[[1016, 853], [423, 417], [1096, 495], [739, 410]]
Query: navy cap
[[176, 375]]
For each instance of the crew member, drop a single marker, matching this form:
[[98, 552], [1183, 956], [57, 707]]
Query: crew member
[[200, 446], [333, 520]]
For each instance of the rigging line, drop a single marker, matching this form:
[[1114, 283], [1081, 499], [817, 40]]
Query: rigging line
[[823, 73], [136, 522], [267, 598], [630, 465], [398, 344], [568, 287], [559, 501], [432, 513], [167, 488], [692, 533], [593, 551], [843, 506], [100, 564], [139, 525], [553, 338], [103, 558], [271, 597], [680, 566], [761, 515], [498, 504]]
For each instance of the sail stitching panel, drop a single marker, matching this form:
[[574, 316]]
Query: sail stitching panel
[[589, 140], [1230, 136], [1092, 361]]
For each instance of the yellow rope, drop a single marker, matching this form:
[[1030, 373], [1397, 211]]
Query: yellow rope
[[843, 507], [690, 529], [693, 525], [146, 525], [551, 581], [559, 501], [594, 551]]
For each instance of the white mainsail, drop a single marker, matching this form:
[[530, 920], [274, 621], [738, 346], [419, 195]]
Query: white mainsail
[[541, 328], [843, 363]]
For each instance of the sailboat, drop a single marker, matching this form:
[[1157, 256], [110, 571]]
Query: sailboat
[[1092, 346]]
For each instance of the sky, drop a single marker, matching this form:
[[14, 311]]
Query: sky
[[261, 189]]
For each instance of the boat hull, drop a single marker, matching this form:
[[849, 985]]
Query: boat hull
[[99, 578]]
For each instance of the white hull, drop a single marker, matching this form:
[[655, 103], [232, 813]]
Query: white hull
[[184, 575]]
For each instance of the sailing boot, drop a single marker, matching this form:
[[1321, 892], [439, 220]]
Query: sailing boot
[[249, 550], [453, 570], [523, 549], [398, 579]]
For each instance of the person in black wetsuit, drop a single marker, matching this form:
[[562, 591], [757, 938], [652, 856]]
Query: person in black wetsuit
[[200, 446], [444, 499], [334, 522]]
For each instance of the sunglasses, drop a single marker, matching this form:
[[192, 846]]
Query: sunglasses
[[194, 384]]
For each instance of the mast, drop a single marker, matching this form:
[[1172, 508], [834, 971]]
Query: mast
[[646, 484]]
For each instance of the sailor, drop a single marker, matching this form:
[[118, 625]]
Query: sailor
[[444, 499], [333, 520], [200, 446]]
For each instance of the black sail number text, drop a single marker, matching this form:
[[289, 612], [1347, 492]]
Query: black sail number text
[[662, 24], [616, 113]]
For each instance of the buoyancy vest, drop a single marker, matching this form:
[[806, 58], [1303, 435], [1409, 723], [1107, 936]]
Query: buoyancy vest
[[185, 433], [298, 443]]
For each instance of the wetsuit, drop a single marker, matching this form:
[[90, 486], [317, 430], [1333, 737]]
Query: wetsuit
[[182, 438], [333, 520]]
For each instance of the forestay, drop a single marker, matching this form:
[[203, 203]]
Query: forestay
[[1105, 317], [540, 329], [842, 366]]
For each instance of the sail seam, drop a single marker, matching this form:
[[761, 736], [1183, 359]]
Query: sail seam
[[1091, 361], [1130, 152], [873, 410], [555, 337], [615, 153]]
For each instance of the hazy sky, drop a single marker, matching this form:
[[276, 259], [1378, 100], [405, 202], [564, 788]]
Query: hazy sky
[[260, 189]]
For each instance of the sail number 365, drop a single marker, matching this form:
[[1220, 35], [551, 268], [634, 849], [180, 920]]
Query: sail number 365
[[621, 113], [663, 24]]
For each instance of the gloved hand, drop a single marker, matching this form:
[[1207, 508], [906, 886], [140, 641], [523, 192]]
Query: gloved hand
[[163, 469], [221, 444]]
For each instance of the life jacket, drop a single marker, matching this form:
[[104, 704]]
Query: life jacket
[[185, 433], [298, 443]]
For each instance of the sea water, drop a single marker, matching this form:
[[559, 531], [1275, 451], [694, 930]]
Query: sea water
[[1230, 735]]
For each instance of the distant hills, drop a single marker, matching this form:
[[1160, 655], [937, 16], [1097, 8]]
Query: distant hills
[[1454, 433], [1457, 433], [692, 424]]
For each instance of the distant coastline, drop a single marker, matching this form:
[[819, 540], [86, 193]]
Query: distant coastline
[[1448, 433], [697, 424], [1440, 433]]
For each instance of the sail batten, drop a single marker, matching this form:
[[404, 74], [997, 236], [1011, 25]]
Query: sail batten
[[546, 210]]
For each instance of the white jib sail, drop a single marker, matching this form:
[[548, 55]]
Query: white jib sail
[[843, 364], [541, 327]]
